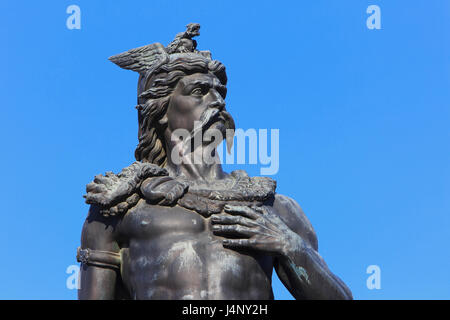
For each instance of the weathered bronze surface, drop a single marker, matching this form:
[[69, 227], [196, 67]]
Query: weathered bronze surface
[[161, 229]]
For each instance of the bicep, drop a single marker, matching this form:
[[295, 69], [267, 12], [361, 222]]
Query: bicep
[[292, 214], [98, 278], [98, 231]]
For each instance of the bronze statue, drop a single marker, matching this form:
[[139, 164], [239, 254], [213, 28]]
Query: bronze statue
[[165, 229]]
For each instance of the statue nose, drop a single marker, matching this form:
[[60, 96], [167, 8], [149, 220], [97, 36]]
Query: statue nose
[[218, 103]]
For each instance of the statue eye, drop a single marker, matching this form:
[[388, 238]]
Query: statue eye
[[198, 91]]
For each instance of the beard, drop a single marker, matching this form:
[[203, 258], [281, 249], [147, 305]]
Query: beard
[[212, 119]]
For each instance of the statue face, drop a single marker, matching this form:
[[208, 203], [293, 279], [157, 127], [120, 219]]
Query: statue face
[[192, 96]]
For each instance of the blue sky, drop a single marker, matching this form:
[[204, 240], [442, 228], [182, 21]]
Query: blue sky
[[363, 118]]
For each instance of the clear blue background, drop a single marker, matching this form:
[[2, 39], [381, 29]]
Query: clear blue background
[[363, 118]]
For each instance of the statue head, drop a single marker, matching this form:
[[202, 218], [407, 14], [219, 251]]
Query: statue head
[[176, 89], [193, 29]]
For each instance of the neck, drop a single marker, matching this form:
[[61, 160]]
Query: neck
[[197, 165]]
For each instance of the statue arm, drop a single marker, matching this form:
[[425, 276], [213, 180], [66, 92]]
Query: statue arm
[[300, 267], [99, 257], [282, 230]]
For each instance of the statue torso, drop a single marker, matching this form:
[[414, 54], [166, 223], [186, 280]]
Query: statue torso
[[172, 253]]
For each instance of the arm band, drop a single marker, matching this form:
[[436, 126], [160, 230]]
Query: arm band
[[105, 259]]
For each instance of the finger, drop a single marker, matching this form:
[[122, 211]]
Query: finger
[[238, 243], [229, 219], [261, 209], [236, 230], [243, 210]]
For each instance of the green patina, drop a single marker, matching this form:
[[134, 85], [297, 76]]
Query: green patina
[[300, 272]]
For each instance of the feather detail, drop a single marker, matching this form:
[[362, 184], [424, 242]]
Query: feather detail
[[142, 59]]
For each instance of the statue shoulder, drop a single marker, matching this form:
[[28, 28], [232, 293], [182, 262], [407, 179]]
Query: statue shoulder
[[292, 214], [116, 193]]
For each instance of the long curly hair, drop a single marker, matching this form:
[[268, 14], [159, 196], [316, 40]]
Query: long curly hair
[[155, 98]]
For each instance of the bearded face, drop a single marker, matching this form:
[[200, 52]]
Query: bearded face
[[197, 98], [197, 105], [187, 91]]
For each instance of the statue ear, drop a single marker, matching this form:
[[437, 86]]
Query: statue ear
[[163, 109], [163, 120]]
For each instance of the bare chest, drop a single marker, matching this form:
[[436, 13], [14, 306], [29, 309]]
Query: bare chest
[[151, 222], [171, 253]]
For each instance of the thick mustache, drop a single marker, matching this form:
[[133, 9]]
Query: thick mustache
[[208, 117], [213, 112], [210, 114], [230, 128]]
